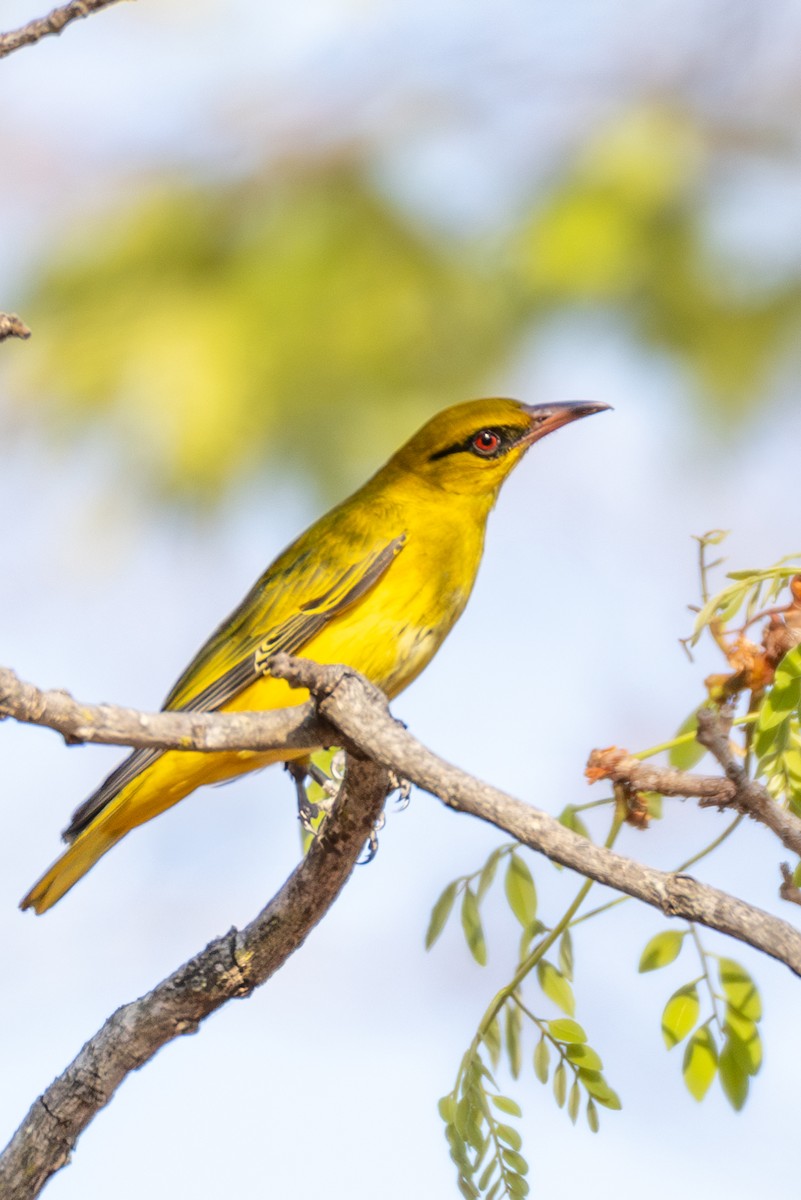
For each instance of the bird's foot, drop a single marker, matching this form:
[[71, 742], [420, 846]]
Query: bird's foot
[[312, 813], [371, 845], [404, 789]]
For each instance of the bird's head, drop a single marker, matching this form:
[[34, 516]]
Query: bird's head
[[471, 448]]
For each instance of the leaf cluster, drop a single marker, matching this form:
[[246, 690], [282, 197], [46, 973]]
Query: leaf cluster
[[777, 733], [726, 1044], [486, 1153]]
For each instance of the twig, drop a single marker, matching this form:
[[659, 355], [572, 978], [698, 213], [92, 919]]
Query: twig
[[54, 22], [789, 890], [735, 791], [12, 326], [749, 796], [231, 966]]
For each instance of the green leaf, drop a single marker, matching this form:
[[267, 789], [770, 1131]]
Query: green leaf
[[473, 1134], [468, 1189], [599, 1089], [584, 1056], [496, 1187], [555, 986], [685, 756], [473, 931], [457, 1148], [715, 536], [733, 1078], [474, 1072], [566, 955], [560, 1084], [507, 1106], [446, 1108], [520, 890], [516, 1185], [509, 1135], [565, 1030], [700, 1062], [571, 820], [515, 1161], [744, 1040], [527, 937], [661, 950], [741, 991], [542, 1058], [574, 1101], [462, 1115], [479, 1158], [486, 1174], [654, 804], [593, 1119], [730, 608], [492, 1040], [488, 873], [680, 1014], [513, 1047], [440, 913]]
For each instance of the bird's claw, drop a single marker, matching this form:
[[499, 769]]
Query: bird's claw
[[404, 789]]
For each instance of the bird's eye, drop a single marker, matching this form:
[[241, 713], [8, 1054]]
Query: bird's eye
[[486, 443]]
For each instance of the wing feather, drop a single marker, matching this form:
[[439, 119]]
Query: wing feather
[[242, 642]]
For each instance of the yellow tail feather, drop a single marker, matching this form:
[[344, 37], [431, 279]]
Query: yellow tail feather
[[160, 785], [76, 860]]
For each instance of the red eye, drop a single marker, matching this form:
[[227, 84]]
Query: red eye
[[486, 443]]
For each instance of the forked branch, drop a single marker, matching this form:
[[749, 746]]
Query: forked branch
[[350, 711]]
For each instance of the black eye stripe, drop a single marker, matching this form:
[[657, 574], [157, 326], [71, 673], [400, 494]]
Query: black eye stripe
[[509, 434]]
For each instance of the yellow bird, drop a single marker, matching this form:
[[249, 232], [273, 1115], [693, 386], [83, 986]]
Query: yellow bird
[[376, 584]]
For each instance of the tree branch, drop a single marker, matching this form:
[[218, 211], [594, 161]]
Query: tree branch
[[54, 22], [12, 326], [289, 728], [735, 791], [350, 711], [359, 710], [231, 966]]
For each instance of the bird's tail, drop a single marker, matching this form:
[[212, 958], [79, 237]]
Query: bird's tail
[[76, 860], [128, 798]]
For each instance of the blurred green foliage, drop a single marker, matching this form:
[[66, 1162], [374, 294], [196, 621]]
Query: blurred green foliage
[[298, 318], [627, 227], [290, 317]]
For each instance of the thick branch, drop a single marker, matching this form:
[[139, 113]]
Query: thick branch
[[234, 965], [358, 709], [54, 22], [229, 967], [12, 326], [289, 728], [358, 713]]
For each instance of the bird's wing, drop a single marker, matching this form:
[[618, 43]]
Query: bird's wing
[[333, 593], [291, 602]]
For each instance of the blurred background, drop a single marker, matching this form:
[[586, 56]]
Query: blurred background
[[258, 244]]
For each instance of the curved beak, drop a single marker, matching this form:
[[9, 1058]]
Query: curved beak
[[545, 418]]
